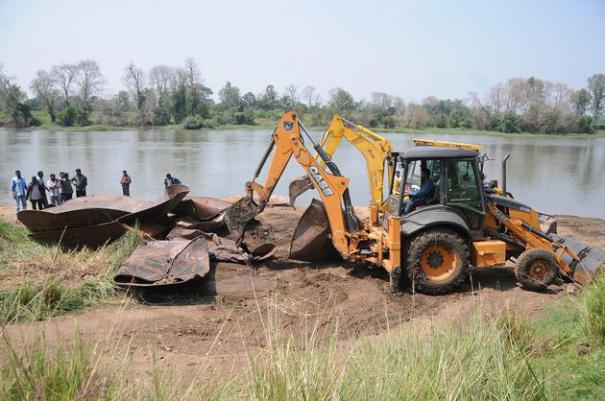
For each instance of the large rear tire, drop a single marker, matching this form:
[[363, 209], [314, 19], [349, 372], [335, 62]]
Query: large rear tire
[[536, 269], [437, 261]]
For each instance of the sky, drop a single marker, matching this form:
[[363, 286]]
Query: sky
[[411, 49]]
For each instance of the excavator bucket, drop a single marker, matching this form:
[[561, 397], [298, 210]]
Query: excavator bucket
[[592, 260], [311, 241], [297, 187], [238, 215]]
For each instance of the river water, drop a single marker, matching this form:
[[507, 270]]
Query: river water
[[554, 175]]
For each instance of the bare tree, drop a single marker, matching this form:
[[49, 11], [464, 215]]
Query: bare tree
[[291, 95], [310, 97], [193, 75], [134, 79], [90, 80], [44, 86], [193, 79], [65, 75], [162, 78]]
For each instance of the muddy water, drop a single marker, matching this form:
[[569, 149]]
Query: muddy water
[[555, 175]]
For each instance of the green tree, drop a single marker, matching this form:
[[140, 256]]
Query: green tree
[[249, 100], [67, 116], [179, 103], [510, 122], [269, 99], [581, 101], [341, 101], [122, 101], [229, 97], [596, 86]]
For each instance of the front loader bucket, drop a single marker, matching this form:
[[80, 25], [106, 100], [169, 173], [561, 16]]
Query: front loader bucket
[[591, 259], [297, 187], [311, 241], [238, 215]]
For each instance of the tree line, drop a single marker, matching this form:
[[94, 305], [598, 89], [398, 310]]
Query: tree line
[[72, 94]]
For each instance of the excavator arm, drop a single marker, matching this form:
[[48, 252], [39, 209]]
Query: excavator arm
[[373, 147], [332, 187]]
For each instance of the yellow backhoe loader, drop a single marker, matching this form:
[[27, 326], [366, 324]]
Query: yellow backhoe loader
[[463, 223], [375, 150]]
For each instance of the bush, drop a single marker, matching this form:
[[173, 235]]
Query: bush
[[22, 117], [510, 122], [67, 116], [585, 125], [193, 122], [242, 118], [82, 117], [161, 116]]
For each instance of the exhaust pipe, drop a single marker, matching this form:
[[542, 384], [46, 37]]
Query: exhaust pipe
[[504, 173]]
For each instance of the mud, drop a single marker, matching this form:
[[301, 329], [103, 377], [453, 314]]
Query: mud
[[211, 326]]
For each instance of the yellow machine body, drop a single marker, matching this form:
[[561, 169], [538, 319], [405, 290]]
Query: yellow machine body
[[488, 253]]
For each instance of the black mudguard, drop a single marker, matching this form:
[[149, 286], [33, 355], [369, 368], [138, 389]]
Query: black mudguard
[[433, 217]]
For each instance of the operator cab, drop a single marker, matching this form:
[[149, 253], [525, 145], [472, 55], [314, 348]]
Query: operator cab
[[456, 183]]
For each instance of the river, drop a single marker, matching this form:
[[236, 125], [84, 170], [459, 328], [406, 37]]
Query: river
[[553, 174]]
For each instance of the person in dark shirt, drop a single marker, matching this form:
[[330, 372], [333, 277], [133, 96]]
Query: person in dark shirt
[[125, 181], [170, 180], [426, 192], [41, 181], [81, 182], [67, 190]]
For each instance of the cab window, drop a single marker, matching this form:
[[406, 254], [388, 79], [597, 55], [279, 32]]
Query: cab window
[[462, 184], [413, 181]]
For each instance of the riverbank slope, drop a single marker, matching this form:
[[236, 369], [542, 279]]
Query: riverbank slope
[[210, 331]]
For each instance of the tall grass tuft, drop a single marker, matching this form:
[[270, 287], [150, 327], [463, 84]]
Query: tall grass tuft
[[36, 302], [287, 371], [40, 373], [485, 358], [46, 281], [592, 309]]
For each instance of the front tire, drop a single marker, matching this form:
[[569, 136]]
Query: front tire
[[437, 261], [536, 269]]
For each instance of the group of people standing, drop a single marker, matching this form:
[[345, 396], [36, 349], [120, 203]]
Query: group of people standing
[[43, 194], [56, 191]]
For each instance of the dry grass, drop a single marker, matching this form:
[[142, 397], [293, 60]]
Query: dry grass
[[38, 281]]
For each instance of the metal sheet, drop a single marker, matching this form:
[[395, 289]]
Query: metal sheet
[[223, 249], [162, 263], [172, 197], [202, 208], [95, 210], [311, 241], [91, 236]]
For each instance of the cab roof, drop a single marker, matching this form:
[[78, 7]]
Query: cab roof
[[437, 152]]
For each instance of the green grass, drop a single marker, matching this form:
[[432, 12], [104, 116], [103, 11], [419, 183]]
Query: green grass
[[573, 357], [500, 356], [36, 302], [52, 292]]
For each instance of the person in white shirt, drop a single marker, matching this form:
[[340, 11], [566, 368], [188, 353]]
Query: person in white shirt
[[54, 187]]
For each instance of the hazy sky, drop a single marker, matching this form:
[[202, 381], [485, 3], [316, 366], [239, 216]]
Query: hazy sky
[[408, 48]]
